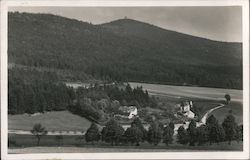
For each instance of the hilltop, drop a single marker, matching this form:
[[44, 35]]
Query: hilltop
[[122, 50]]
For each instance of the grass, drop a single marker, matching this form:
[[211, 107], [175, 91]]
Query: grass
[[71, 144], [237, 111], [192, 92], [56, 120], [47, 140]]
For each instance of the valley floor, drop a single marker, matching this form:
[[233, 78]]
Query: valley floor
[[143, 148]]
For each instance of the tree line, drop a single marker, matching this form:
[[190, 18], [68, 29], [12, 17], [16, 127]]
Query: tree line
[[211, 132], [30, 91], [115, 134]]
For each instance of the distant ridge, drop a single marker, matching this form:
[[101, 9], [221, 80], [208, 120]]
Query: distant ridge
[[123, 50]]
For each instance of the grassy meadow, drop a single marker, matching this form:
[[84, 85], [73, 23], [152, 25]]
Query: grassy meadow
[[72, 145], [52, 121], [237, 110]]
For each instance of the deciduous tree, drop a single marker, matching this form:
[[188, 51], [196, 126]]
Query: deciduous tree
[[38, 131], [112, 132]]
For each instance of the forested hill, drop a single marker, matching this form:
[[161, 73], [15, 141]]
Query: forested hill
[[123, 50]]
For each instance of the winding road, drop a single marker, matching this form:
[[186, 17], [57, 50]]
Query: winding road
[[202, 121], [204, 118]]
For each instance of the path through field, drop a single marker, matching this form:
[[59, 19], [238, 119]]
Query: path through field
[[204, 118]]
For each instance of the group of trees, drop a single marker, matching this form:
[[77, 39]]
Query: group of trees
[[30, 91], [211, 132], [114, 133], [97, 101]]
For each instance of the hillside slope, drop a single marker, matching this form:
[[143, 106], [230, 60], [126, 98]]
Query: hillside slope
[[123, 50]]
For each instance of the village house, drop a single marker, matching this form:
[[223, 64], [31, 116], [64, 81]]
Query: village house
[[185, 109], [131, 111]]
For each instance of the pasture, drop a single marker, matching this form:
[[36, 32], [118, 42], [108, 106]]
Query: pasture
[[237, 111], [191, 92], [75, 146], [52, 121]]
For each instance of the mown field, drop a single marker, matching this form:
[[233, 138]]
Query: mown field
[[235, 107], [53, 121], [191, 92], [81, 147]]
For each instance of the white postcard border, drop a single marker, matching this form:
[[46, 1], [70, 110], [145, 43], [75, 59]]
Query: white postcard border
[[125, 155]]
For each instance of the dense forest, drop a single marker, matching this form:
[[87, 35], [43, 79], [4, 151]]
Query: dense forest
[[31, 91], [122, 50]]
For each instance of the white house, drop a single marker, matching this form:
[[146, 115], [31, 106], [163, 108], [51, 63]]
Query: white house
[[185, 109], [131, 110]]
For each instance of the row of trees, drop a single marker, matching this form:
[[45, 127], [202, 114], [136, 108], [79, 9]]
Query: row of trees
[[211, 132], [114, 133]]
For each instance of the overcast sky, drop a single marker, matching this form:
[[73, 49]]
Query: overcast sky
[[217, 23]]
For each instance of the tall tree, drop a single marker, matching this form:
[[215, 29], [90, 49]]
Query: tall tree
[[182, 136], [112, 132], [202, 135], [92, 134], [171, 125], [38, 131], [228, 98], [192, 133], [168, 135], [213, 129], [230, 127], [137, 122], [154, 133], [133, 135]]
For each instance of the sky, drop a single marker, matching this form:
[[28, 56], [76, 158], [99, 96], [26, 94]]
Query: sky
[[222, 23]]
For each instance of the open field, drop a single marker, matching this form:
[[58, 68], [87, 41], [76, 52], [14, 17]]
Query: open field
[[87, 148], [192, 92], [56, 120], [237, 111]]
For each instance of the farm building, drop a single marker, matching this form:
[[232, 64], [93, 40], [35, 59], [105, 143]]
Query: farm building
[[131, 111], [185, 109]]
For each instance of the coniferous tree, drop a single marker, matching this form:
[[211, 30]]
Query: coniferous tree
[[230, 127], [202, 135], [154, 133], [182, 136], [137, 122], [168, 135], [213, 130], [192, 133], [133, 135], [92, 134]]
